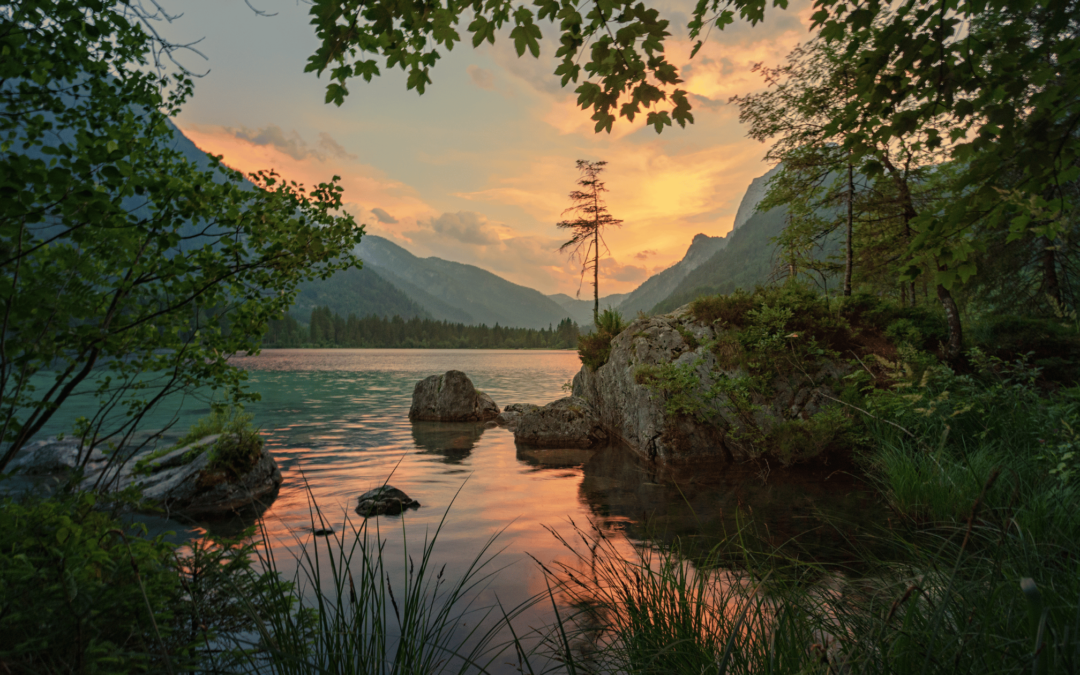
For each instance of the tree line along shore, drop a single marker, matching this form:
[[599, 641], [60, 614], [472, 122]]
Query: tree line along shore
[[330, 329]]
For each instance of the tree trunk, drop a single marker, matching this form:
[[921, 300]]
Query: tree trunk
[[850, 226], [596, 278], [1050, 284], [952, 316]]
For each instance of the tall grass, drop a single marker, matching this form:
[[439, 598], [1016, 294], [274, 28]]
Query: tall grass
[[354, 610], [979, 599]]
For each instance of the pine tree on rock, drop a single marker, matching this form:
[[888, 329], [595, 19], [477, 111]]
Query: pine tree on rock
[[587, 229]]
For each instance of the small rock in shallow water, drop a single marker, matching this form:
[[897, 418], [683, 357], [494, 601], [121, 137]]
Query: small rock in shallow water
[[386, 500]]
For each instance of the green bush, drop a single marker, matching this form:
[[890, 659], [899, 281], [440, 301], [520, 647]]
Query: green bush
[[595, 348], [1048, 344], [941, 435], [82, 593], [728, 309]]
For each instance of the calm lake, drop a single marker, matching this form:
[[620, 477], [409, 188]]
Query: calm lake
[[337, 422]]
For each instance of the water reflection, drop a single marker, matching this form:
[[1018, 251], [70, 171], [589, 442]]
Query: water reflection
[[553, 458], [452, 441], [803, 511]]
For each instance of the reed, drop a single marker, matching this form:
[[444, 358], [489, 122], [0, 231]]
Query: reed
[[354, 610]]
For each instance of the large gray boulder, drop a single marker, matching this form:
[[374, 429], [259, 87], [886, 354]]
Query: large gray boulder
[[711, 425], [49, 456], [567, 423], [451, 397], [187, 481]]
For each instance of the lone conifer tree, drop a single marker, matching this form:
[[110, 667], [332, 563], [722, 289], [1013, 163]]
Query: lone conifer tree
[[587, 228]]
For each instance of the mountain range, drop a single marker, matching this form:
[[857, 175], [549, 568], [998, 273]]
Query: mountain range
[[393, 281]]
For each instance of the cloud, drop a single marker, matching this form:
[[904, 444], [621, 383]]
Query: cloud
[[327, 143], [384, 217], [291, 143], [611, 269], [467, 227], [481, 77], [644, 255]]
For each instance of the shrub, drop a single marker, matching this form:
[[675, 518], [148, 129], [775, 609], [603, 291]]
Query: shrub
[[1048, 344], [729, 309], [595, 348], [80, 592]]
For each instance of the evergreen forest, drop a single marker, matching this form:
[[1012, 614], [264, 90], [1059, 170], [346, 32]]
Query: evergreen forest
[[329, 329]]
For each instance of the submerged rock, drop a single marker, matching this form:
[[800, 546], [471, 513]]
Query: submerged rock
[[569, 423], [386, 500], [451, 397]]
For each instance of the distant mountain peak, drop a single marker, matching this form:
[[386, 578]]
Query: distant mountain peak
[[754, 194]]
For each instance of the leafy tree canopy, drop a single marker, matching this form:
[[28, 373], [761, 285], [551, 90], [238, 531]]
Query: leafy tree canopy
[[129, 273]]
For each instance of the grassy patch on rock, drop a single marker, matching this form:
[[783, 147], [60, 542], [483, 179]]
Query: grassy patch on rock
[[235, 452]]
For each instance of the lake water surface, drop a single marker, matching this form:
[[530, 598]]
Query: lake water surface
[[337, 423]]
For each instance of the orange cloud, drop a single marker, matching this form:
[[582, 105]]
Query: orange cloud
[[366, 188]]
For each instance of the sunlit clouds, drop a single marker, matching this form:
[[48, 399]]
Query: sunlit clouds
[[478, 170]]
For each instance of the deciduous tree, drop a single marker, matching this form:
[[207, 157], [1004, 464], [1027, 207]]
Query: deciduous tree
[[129, 273]]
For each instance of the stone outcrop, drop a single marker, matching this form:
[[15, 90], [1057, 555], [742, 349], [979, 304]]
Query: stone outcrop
[[718, 427], [451, 397], [512, 413], [50, 456], [568, 423], [386, 500], [198, 489], [182, 481]]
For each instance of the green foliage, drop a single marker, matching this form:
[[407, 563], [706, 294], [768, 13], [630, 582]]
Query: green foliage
[[128, 271], [594, 348], [798, 440], [725, 309], [81, 593], [1046, 343], [679, 387], [948, 433], [611, 322], [383, 616], [625, 65]]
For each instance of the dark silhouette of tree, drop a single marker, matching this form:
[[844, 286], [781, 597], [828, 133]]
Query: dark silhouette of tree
[[587, 229]]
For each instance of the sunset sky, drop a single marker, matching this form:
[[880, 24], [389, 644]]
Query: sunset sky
[[478, 169]]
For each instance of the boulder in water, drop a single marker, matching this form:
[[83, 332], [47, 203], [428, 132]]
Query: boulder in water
[[512, 413], [567, 423], [451, 397], [385, 499], [50, 456], [211, 477]]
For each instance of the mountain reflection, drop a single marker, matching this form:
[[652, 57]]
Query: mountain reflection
[[452, 441]]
